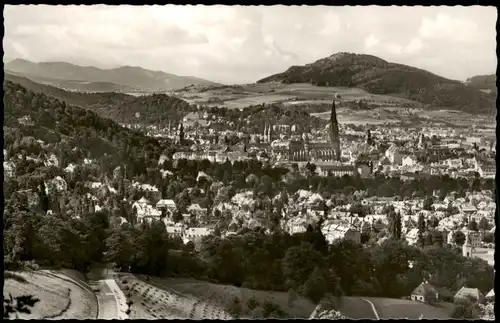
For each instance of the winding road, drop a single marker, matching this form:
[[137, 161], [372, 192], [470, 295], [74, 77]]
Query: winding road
[[373, 308]]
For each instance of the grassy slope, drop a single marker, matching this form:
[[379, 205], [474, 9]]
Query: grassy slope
[[389, 308], [189, 298], [60, 296], [252, 94]]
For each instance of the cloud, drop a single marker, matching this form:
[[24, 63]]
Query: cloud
[[332, 23], [444, 26], [393, 49], [371, 41], [414, 46], [236, 44]]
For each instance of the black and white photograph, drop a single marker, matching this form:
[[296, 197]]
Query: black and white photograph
[[217, 162]]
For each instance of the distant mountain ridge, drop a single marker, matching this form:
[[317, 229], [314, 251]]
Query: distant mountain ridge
[[378, 76], [79, 86], [130, 77]]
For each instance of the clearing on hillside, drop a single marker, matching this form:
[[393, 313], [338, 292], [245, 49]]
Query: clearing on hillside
[[193, 299], [253, 94], [60, 297]]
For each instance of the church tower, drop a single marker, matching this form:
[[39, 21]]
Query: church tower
[[334, 132], [369, 137], [180, 134], [468, 247]]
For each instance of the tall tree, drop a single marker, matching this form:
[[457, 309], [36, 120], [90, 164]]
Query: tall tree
[[421, 230], [44, 199], [484, 224], [472, 225], [458, 238]]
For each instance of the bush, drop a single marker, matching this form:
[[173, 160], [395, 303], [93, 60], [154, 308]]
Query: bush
[[269, 308], [235, 308], [252, 303]]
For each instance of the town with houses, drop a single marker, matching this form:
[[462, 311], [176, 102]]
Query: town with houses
[[349, 187], [409, 153]]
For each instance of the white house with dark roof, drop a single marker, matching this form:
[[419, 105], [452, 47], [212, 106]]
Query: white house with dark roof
[[167, 204], [491, 295], [409, 160], [425, 293], [334, 231], [412, 236]]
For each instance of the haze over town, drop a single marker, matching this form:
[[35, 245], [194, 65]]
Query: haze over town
[[237, 44]]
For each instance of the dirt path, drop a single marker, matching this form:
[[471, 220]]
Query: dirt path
[[107, 303], [111, 300], [373, 308]]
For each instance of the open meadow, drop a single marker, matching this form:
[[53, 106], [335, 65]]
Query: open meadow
[[375, 116], [241, 96], [393, 308]]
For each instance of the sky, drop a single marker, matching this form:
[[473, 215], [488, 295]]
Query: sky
[[242, 44]]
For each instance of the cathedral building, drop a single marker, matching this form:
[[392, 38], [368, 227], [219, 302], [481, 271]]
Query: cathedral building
[[305, 150]]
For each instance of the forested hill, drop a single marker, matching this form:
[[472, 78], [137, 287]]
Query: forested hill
[[485, 83], [378, 76], [29, 114], [117, 106]]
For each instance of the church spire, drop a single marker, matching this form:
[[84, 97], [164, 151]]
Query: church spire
[[334, 131]]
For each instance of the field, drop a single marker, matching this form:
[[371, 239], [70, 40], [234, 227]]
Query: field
[[60, 297], [391, 109], [185, 298], [456, 117], [393, 308], [373, 116], [241, 96], [356, 308]]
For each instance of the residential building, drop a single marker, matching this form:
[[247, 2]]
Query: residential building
[[195, 234], [410, 160], [455, 163], [412, 236], [487, 171], [333, 232], [394, 155], [150, 191], [335, 169], [491, 295], [176, 230], [364, 170], [8, 168], [425, 293]]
